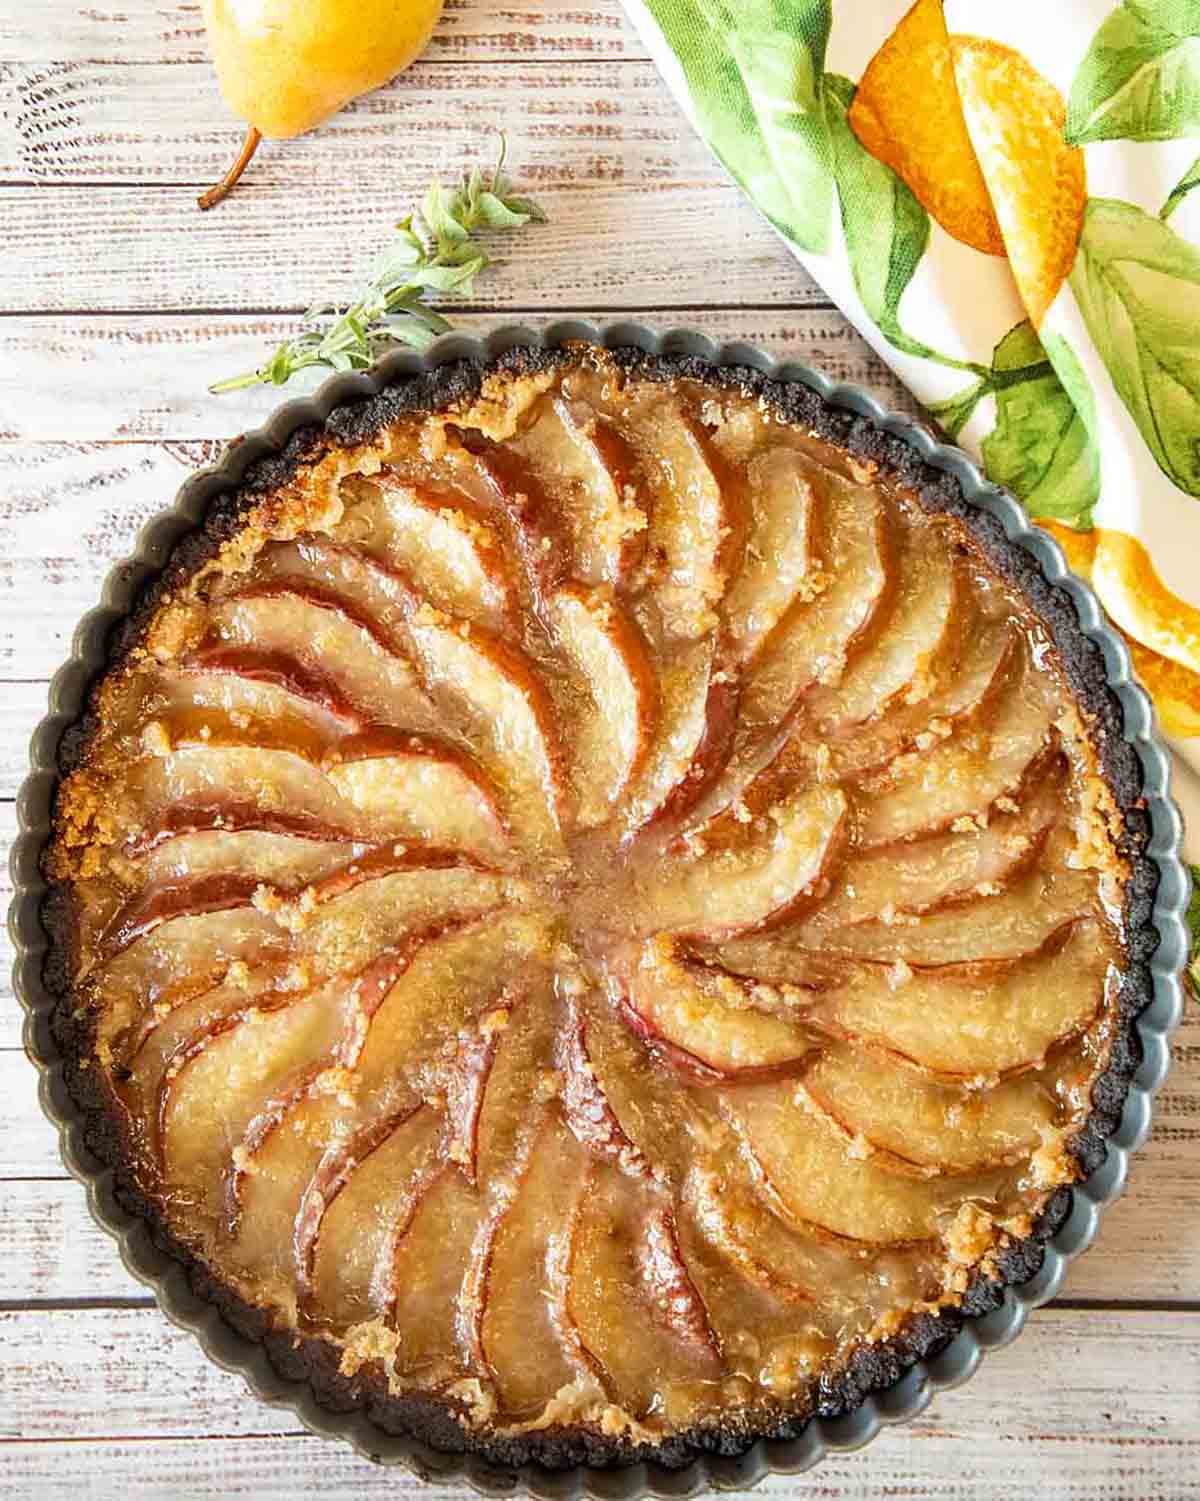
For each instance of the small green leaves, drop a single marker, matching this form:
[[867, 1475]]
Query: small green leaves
[[886, 229], [1140, 77], [753, 74], [1189, 180], [1042, 446], [432, 251], [1137, 284]]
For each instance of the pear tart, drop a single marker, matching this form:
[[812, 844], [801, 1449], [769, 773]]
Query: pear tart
[[592, 908]]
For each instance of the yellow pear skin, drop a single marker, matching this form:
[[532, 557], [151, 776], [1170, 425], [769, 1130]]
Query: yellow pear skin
[[287, 65]]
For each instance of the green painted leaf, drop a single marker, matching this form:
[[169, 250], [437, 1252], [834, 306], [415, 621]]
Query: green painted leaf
[[1193, 918], [753, 72], [1140, 77], [1189, 180], [886, 229], [1137, 284], [1042, 447]]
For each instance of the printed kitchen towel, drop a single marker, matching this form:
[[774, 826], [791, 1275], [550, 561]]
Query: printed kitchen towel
[[1000, 197]]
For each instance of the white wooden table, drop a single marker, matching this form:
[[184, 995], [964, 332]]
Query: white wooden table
[[119, 303]]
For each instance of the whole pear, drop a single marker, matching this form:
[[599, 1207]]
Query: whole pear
[[286, 65]]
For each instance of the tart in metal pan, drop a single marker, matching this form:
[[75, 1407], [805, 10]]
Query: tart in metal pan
[[605, 911]]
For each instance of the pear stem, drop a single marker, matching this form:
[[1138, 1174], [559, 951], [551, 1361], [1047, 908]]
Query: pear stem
[[222, 189]]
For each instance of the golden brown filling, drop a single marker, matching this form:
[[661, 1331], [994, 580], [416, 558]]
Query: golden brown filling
[[596, 905]]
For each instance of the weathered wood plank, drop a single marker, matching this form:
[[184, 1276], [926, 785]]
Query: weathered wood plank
[[90, 1373], [916, 1460], [52, 1248], [1149, 1248], [161, 31], [604, 247], [611, 123], [146, 377]]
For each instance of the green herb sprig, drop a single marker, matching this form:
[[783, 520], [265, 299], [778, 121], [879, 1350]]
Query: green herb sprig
[[433, 251]]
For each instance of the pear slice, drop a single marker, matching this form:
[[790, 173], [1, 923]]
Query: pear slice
[[898, 662], [710, 1019], [345, 1256], [926, 1123], [421, 1276], [767, 880], [521, 1287], [806, 1163], [812, 641], [419, 787], [996, 756], [782, 554], [630, 1299], [979, 1019], [614, 731], [444, 538]]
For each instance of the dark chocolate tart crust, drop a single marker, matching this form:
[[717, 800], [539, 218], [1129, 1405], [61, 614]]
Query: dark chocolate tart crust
[[878, 1382]]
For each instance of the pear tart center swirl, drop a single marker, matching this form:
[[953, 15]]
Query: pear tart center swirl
[[594, 905]]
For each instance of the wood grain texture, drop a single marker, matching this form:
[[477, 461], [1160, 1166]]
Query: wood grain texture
[[161, 123], [924, 1460], [90, 1373], [151, 31]]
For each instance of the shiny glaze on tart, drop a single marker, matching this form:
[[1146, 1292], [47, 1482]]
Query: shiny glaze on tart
[[593, 905]]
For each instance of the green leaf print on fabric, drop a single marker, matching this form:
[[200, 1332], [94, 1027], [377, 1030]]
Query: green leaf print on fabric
[[753, 72], [1189, 180], [1042, 447], [1140, 77], [1137, 284], [886, 229]]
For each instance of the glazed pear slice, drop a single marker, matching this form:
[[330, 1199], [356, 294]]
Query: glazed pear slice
[[215, 1080], [677, 749], [812, 641], [781, 555], [418, 787], [282, 670], [733, 1215], [899, 659], [969, 679], [349, 930], [509, 716], [345, 645], [344, 1260], [709, 1022], [947, 868], [978, 1019], [586, 1108], [805, 1162], [629, 1298], [516, 1302], [521, 1068], [923, 1122], [444, 538], [225, 710], [687, 537], [560, 450], [614, 730], [278, 1155], [765, 882], [447, 986], [1013, 923], [421, 1275], [995, 757]]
